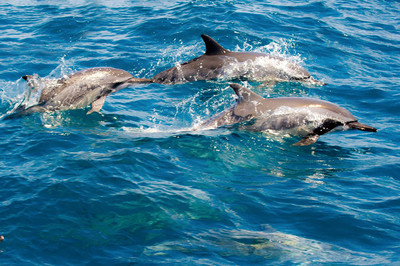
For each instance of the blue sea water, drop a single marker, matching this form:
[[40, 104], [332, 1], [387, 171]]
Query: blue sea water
[[132, 186]]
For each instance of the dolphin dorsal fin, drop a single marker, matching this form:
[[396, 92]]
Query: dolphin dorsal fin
[[212, 47], [247, 103], [245, 94]]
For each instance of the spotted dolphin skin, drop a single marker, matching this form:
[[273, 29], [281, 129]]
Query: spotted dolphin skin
[[89, 86], [310, 118], [218, 62]]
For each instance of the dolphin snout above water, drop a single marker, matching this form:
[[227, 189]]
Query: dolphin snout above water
[[314, 117], [79, 90], [218, 62]]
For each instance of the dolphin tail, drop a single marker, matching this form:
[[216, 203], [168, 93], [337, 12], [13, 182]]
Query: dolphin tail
[[359, 126], [139, 80], [126, 83]]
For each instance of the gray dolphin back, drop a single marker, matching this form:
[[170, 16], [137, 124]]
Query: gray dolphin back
[[218, 62], [78, 90], [315, 116]]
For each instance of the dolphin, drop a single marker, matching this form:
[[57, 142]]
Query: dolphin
[[218, 62], [310, 118], [78, 90]]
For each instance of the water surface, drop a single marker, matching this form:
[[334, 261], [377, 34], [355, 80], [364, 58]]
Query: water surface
[[134, 185]]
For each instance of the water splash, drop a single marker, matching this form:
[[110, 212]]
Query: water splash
[[23, 94], [12, 93], [174, 55], [284, 48], [64, 69]]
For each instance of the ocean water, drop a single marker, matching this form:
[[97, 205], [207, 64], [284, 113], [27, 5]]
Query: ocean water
[[133, 185]]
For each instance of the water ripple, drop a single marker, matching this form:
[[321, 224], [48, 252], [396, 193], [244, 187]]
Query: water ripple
[[134, 184]]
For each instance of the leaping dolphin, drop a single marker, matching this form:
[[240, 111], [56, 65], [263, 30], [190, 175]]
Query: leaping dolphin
[[311, 117], [218, 62], [85, 87]]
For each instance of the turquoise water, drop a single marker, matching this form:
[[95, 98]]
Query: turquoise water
[[132, 185]]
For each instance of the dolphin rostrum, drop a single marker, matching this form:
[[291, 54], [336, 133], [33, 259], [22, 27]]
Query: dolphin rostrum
[[85, 87], [311, 117], [218, 62]]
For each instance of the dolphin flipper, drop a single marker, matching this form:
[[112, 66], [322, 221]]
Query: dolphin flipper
[[307, 140], [97, 105], [311, 138]]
